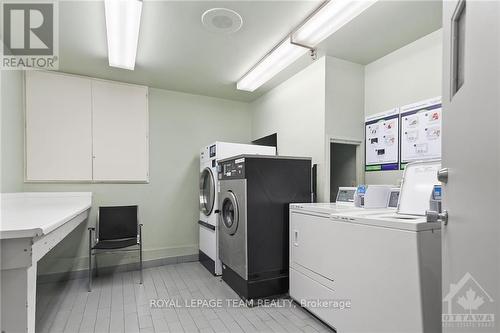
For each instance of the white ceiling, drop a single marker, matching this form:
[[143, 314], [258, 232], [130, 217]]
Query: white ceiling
[[175, 52], [385, 27]]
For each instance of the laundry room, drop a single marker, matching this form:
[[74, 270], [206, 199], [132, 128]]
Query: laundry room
[[249, 166]]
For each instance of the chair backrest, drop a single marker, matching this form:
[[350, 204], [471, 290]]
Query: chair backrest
[[117, 222]]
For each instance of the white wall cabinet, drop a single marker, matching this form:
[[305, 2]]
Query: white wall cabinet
[[119, 131], [80, 129], [58, 127]]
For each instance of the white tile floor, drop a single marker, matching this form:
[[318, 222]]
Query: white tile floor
[[118, 303]]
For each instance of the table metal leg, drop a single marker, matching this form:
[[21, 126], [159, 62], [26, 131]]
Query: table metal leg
[[90, 260]]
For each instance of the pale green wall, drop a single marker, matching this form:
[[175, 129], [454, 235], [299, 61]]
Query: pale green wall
[[344, 113], [298, 110], [407, 75], [331, 97], [344, 99], [295, 110], [180, 124], [12, 132], [324, 99]]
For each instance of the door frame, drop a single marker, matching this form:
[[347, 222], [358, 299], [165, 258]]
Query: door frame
[[360, 175]]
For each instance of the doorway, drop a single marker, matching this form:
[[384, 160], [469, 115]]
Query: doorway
[[343, 166]]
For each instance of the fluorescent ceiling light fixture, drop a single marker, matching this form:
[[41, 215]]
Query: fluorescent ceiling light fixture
[[273, 63], [123, 19], [328, 19]]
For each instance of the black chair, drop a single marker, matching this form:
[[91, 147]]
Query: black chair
[[118, 228]]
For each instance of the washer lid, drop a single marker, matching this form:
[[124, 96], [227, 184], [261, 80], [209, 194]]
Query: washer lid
[[418, 181], [322, 208], [386, 219]]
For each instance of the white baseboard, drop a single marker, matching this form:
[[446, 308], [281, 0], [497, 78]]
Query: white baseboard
[[64, 266], [123, 267]]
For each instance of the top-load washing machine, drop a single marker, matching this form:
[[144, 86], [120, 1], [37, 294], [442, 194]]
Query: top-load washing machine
[[209, 157], [345, 201], [255, 193], [383, 266]]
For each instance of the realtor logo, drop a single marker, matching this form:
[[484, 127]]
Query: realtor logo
[[468, 305], [29, 35]]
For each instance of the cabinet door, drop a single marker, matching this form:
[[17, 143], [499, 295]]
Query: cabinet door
[[58, 127], [120, 132]]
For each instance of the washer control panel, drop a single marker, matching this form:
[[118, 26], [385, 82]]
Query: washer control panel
[[232, 169]]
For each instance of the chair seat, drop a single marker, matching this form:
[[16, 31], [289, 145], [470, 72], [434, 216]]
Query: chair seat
[[115, 244]]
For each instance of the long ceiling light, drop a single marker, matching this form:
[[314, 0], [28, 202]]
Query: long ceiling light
[[327, 19], [273, 63], [123, 19]]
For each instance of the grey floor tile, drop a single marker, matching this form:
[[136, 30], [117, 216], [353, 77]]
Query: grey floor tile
[[170, 315], [145, 321], [175, 327], [309, 329], [116, 322], [201, 322], [102, 325], [190, 328], [131, 323], [60, 321], [87, 324], [207, 330], [147, 330], [217, 325], [118, 303], [160, 325]]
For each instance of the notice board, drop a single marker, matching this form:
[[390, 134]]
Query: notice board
[[382, 141], [421, 131]]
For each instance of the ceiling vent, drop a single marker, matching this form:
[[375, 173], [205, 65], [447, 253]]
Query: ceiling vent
[[221, 20]]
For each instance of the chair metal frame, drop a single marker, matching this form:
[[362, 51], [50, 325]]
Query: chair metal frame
[[94, 252]]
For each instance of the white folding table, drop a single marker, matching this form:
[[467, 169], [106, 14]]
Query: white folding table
[[31, 225]]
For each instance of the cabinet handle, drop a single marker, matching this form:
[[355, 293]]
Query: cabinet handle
[[295, 237]]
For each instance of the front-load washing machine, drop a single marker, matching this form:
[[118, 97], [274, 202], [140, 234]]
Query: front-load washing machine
[[255, 194], [208, 232]]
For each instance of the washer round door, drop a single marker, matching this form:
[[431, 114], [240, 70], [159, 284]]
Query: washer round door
[[229, 213], [207, 191]]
